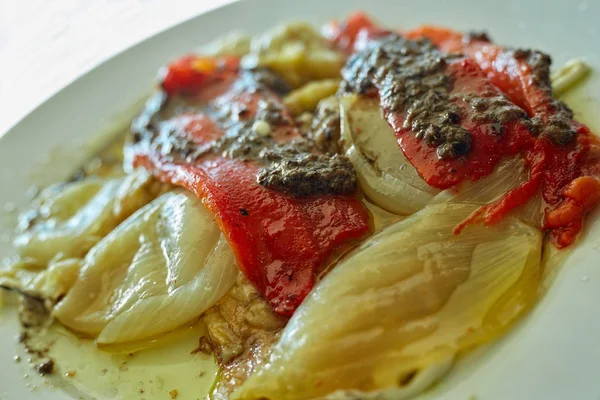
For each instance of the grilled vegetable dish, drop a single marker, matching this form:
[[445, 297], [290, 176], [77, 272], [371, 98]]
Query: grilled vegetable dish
[[346, 211]]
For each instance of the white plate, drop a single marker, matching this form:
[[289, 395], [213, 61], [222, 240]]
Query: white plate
[[552, 354]]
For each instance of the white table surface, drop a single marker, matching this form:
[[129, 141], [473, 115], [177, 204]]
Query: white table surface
[[45, 44]]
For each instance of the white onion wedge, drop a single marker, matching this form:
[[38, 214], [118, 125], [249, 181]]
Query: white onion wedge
[[66, 220], [385, 175], [162, 267], [509, 174], [297, 52], [72, 220], [409, 299]]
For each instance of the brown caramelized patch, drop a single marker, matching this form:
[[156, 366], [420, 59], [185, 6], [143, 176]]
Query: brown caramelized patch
[[242, 329]]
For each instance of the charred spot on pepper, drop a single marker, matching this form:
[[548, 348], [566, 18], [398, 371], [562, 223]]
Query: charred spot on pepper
[[244, 212]]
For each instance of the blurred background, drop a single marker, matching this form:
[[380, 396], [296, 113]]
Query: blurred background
[[45, 44]]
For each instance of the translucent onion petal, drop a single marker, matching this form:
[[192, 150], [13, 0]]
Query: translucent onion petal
[[509, 174], [162, 267], [297, 52], [73, 219], [415, 384], [385, 175], [407, 300]]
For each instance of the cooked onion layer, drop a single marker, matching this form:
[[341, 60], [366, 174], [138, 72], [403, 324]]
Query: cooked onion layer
[[385, 175], [162, 267], [410, 298]]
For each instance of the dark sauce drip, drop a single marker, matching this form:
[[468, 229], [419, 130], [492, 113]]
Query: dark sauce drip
[[35, 317], [325, 130], [297, 168], [46, 367], [556, 125]]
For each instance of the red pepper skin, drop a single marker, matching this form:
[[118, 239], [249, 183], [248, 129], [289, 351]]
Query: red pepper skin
[[564, 166], [189, 74], [486, 149], [351, 33], [552, 167], [279, 241], [564, 221], [510, 74]]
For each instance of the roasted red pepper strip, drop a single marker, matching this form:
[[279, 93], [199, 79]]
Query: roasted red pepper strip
[[512, 74], [486, 151], [564, 221], [566, 165], [350, 34], [552, 167], [189, 74], [487, 148], [279, 241]]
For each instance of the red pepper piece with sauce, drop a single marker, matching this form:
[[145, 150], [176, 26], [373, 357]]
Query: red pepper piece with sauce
[[487, 147], [559, 169], [522, 75], [280, 241], [568, 166], [511, 73]]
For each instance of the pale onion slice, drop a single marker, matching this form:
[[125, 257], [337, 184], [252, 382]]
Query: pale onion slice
[[509, 174], [296, 51], [69, 220], [162, 267], [568, 75], [54, 282], [66, 220], [409, 299], [307, 97], [415, 384], [384, 173]]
